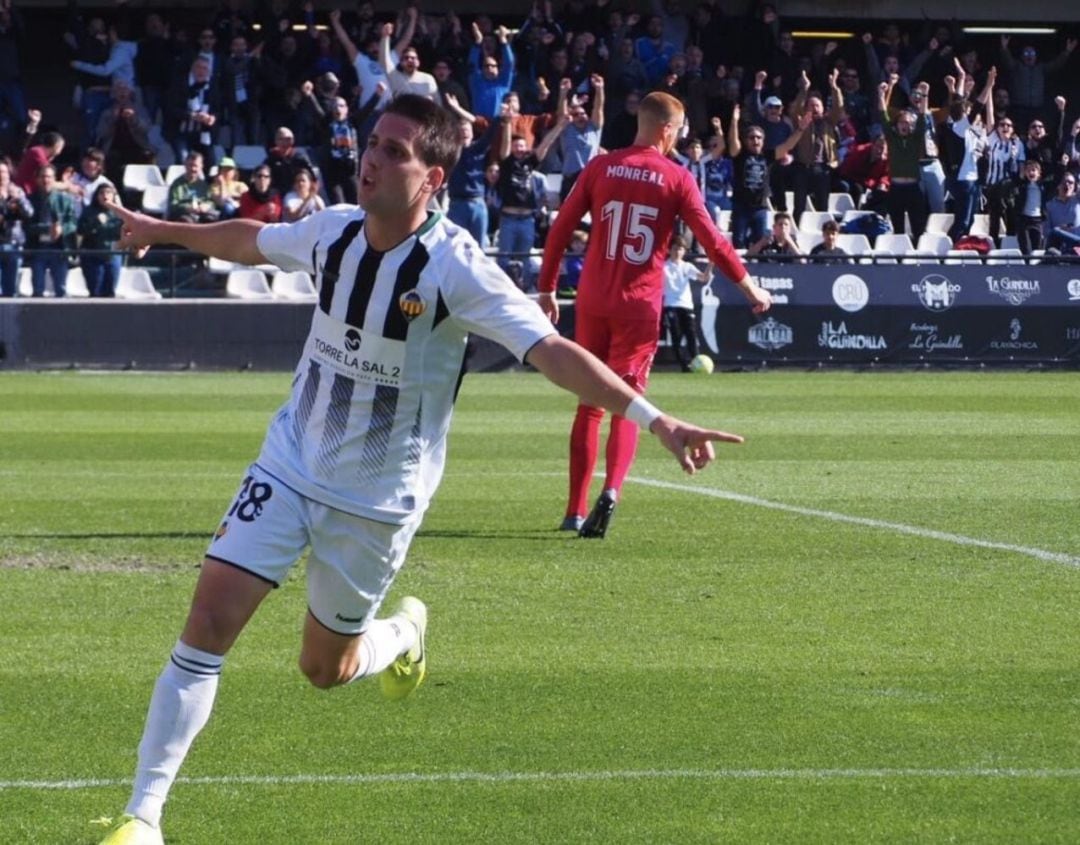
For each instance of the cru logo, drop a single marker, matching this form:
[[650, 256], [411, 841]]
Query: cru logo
[[1073, 287], [1016, 342], [850, 292], [770, 334], [352, 340], [837, 337], [936, 293], [1013, 291]]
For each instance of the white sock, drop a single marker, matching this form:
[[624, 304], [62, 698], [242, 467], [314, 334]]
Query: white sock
[[179, 708], [384, 641]]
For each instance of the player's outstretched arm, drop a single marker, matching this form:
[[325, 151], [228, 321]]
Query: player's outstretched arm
[[569, 366], [231, 240]]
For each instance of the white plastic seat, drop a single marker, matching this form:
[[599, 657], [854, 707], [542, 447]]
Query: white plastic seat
[[939, 222], [26, 285], [247, 284], [980, 225], [723, 219], [135, 283], [896, 243], [174, 172], [936, 243], [853, 244], [1005, 255], [811, 221], [808, 240], [883, 255], [155, 200], [552, 186], [76, 283], [219, 266], [963, 256], [248, 156], [138, 177], [840, 202], [296, 287]]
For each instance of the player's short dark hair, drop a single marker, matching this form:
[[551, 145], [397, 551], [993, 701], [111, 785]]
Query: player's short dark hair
[[438, 143], [830, 226], [781, 216], [50, 139]]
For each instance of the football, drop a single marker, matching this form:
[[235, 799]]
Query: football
[[701, 364]]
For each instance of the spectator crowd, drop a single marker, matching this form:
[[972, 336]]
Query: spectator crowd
[[267, 107]]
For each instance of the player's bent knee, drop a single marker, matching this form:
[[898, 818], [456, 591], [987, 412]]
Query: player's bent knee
[[324, 674]]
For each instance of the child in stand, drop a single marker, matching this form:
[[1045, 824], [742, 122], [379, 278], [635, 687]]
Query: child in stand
[[572, 264], [678, 313], [1029, 208]]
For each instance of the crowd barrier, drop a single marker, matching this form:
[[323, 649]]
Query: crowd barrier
[[937, 313]]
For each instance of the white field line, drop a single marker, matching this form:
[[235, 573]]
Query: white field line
[[898, 527], [569, 777]]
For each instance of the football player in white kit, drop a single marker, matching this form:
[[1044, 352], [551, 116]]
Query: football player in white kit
[[352, 458]]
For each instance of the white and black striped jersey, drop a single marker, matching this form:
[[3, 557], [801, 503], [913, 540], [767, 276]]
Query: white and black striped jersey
[[364, 429]]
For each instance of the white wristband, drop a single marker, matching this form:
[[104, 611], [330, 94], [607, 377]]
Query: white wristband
[[642, 411]]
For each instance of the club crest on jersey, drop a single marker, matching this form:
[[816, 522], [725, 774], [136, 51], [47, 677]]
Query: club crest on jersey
[[412, 305], [222, 530]]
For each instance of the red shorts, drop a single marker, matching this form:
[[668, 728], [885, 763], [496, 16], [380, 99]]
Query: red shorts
[[627, 346]]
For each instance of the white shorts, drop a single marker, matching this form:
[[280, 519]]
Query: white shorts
[[353, 560]]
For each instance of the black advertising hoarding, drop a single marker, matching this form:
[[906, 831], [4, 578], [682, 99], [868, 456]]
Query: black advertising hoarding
[[900, 313]]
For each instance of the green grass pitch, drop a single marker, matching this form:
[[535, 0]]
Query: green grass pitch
[[879, 642]]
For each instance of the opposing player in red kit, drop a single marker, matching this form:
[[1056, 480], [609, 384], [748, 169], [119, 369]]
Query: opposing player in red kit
[[634, 196]]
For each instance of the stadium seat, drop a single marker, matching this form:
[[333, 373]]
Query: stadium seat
[[296, 287], [808, 240], [811, 220], [1005, 255], [723, 219], [935, 243], [248, 156], [1010, 242], [26, 287], [853, 244], [789, 198], [980, 225], [894, 243], [135, 283], [552, 185], [883, 255], [174, 172], [963, 256], [155, 200], [840, 202], [939, 222], [138, 177], [76, 283], [247, 284]]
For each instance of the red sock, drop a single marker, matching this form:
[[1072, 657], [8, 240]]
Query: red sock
[[584, 447], [621, 448]]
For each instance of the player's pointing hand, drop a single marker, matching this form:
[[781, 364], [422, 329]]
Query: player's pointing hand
[[135, 231], [692, 446]]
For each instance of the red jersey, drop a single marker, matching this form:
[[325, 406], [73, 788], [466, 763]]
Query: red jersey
[[633, 196]]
